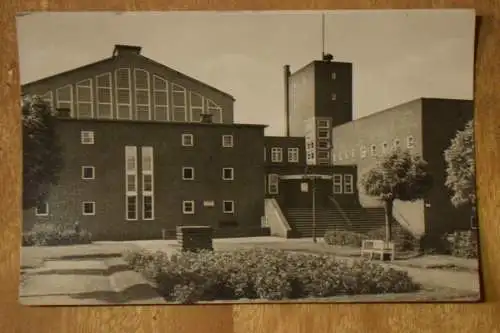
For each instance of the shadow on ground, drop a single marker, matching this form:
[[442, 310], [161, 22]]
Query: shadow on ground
[[135, 293], [91, 271]]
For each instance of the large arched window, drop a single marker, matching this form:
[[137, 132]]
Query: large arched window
[[104, 96], [142, 98], [196, 104], [123, 93], [160, 92], [64, 96], [179, 103]]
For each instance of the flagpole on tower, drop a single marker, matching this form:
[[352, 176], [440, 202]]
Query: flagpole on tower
[[322, 35]]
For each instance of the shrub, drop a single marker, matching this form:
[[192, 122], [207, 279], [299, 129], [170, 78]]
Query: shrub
[[404, 240], [55, 234], [343, 238], [189, 277], [463, 244]]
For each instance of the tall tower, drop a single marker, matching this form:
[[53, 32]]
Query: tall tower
[[318, 97]]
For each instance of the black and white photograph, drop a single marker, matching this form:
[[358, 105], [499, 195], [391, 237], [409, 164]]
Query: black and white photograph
[[204, 157]]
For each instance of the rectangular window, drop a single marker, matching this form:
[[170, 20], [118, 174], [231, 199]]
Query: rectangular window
[[87, 137], [187, 173], [42, 209], [395, 144], [276, 154], [337, 184], [323, 123], [179, 112], [196, 102], [88, 208], [104, 96], [410, 142], [324, 155], [160, 98], [228, 174], [323, 134], [348, 184], [227, 141], [142, 94], [323, 144], [334, 75], [88, 172], [228, 206], [131, 208], [373, 150], [188, 207], [84, 99], [147, 183], [123, 93], [334, 96], [64, 97], [293, 155], [273, 183], [384, 147], [362, 151], [187, 140], [131, 183]]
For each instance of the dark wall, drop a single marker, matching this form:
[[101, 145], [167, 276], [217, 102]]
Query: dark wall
[[130, 60], [441, 120], [207, 156], [334, 78]]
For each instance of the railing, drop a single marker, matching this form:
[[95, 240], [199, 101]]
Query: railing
[[276, 219], [341, 211], [400, 218]]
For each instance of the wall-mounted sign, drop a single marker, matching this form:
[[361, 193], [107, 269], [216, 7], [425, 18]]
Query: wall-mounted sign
[[209, 203], [304, 187]]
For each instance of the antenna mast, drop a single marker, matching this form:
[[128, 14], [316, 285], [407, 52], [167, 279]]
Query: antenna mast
[[322, 35]]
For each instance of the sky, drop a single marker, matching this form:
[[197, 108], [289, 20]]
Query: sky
[[397, 55]]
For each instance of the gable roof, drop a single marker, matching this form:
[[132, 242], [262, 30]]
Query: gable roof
[[137, 48]]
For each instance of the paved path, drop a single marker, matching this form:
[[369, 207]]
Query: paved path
[[85, 281]]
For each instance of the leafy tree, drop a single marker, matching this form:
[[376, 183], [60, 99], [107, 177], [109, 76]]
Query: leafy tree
[[397, 176], [42, 158], [460, 168]]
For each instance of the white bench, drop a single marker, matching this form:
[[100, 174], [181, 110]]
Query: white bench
[[378, 247]]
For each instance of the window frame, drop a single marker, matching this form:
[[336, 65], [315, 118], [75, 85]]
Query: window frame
[[47, 212], [88, 167], [84, 135], [293, 155], [338, 183], [184, 169], [232, 210], [187, 135], [279, 151], [226, 144], [223, 173], [347, 183], [93, 205], [188, 212]]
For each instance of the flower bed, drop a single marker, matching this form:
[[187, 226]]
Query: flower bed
[[263, 274], [54, 234]]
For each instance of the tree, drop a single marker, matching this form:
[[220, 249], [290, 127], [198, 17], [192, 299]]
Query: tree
[[42, 158], [460, 167], [397, 176]]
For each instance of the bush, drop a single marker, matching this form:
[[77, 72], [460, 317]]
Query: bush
[[404, 240], [55, 234], [463, 244], [189, 277], [343, 238]]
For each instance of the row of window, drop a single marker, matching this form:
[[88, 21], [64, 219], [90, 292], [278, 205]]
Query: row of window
[[187, 140], [277, 155], [342, 184], [385, 148], [88, 208], [166, 101], [188, 207], [188, 173]]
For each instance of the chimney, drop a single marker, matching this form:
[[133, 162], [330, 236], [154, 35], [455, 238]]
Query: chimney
[[286, 77], [206, 118], [126, 49], [64, 113]]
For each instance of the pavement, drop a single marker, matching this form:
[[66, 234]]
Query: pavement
[[95, 274]]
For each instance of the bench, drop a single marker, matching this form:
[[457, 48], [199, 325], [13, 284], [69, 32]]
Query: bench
[[378, 247]]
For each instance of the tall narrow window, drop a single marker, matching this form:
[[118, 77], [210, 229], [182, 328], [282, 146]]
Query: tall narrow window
[[84, 100], [179, 112], [123, 94], [227, 141], [337, 184], [147, 183], [348, 184], [64, 96], [49, 98], [160, 92], [196, 102], [385, 148], [131, 182], [293, 155], [104, 96], [273, 183], [142, 97], [215, 110], [276, 154]]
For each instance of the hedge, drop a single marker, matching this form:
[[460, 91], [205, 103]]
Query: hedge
[[46, 234]]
